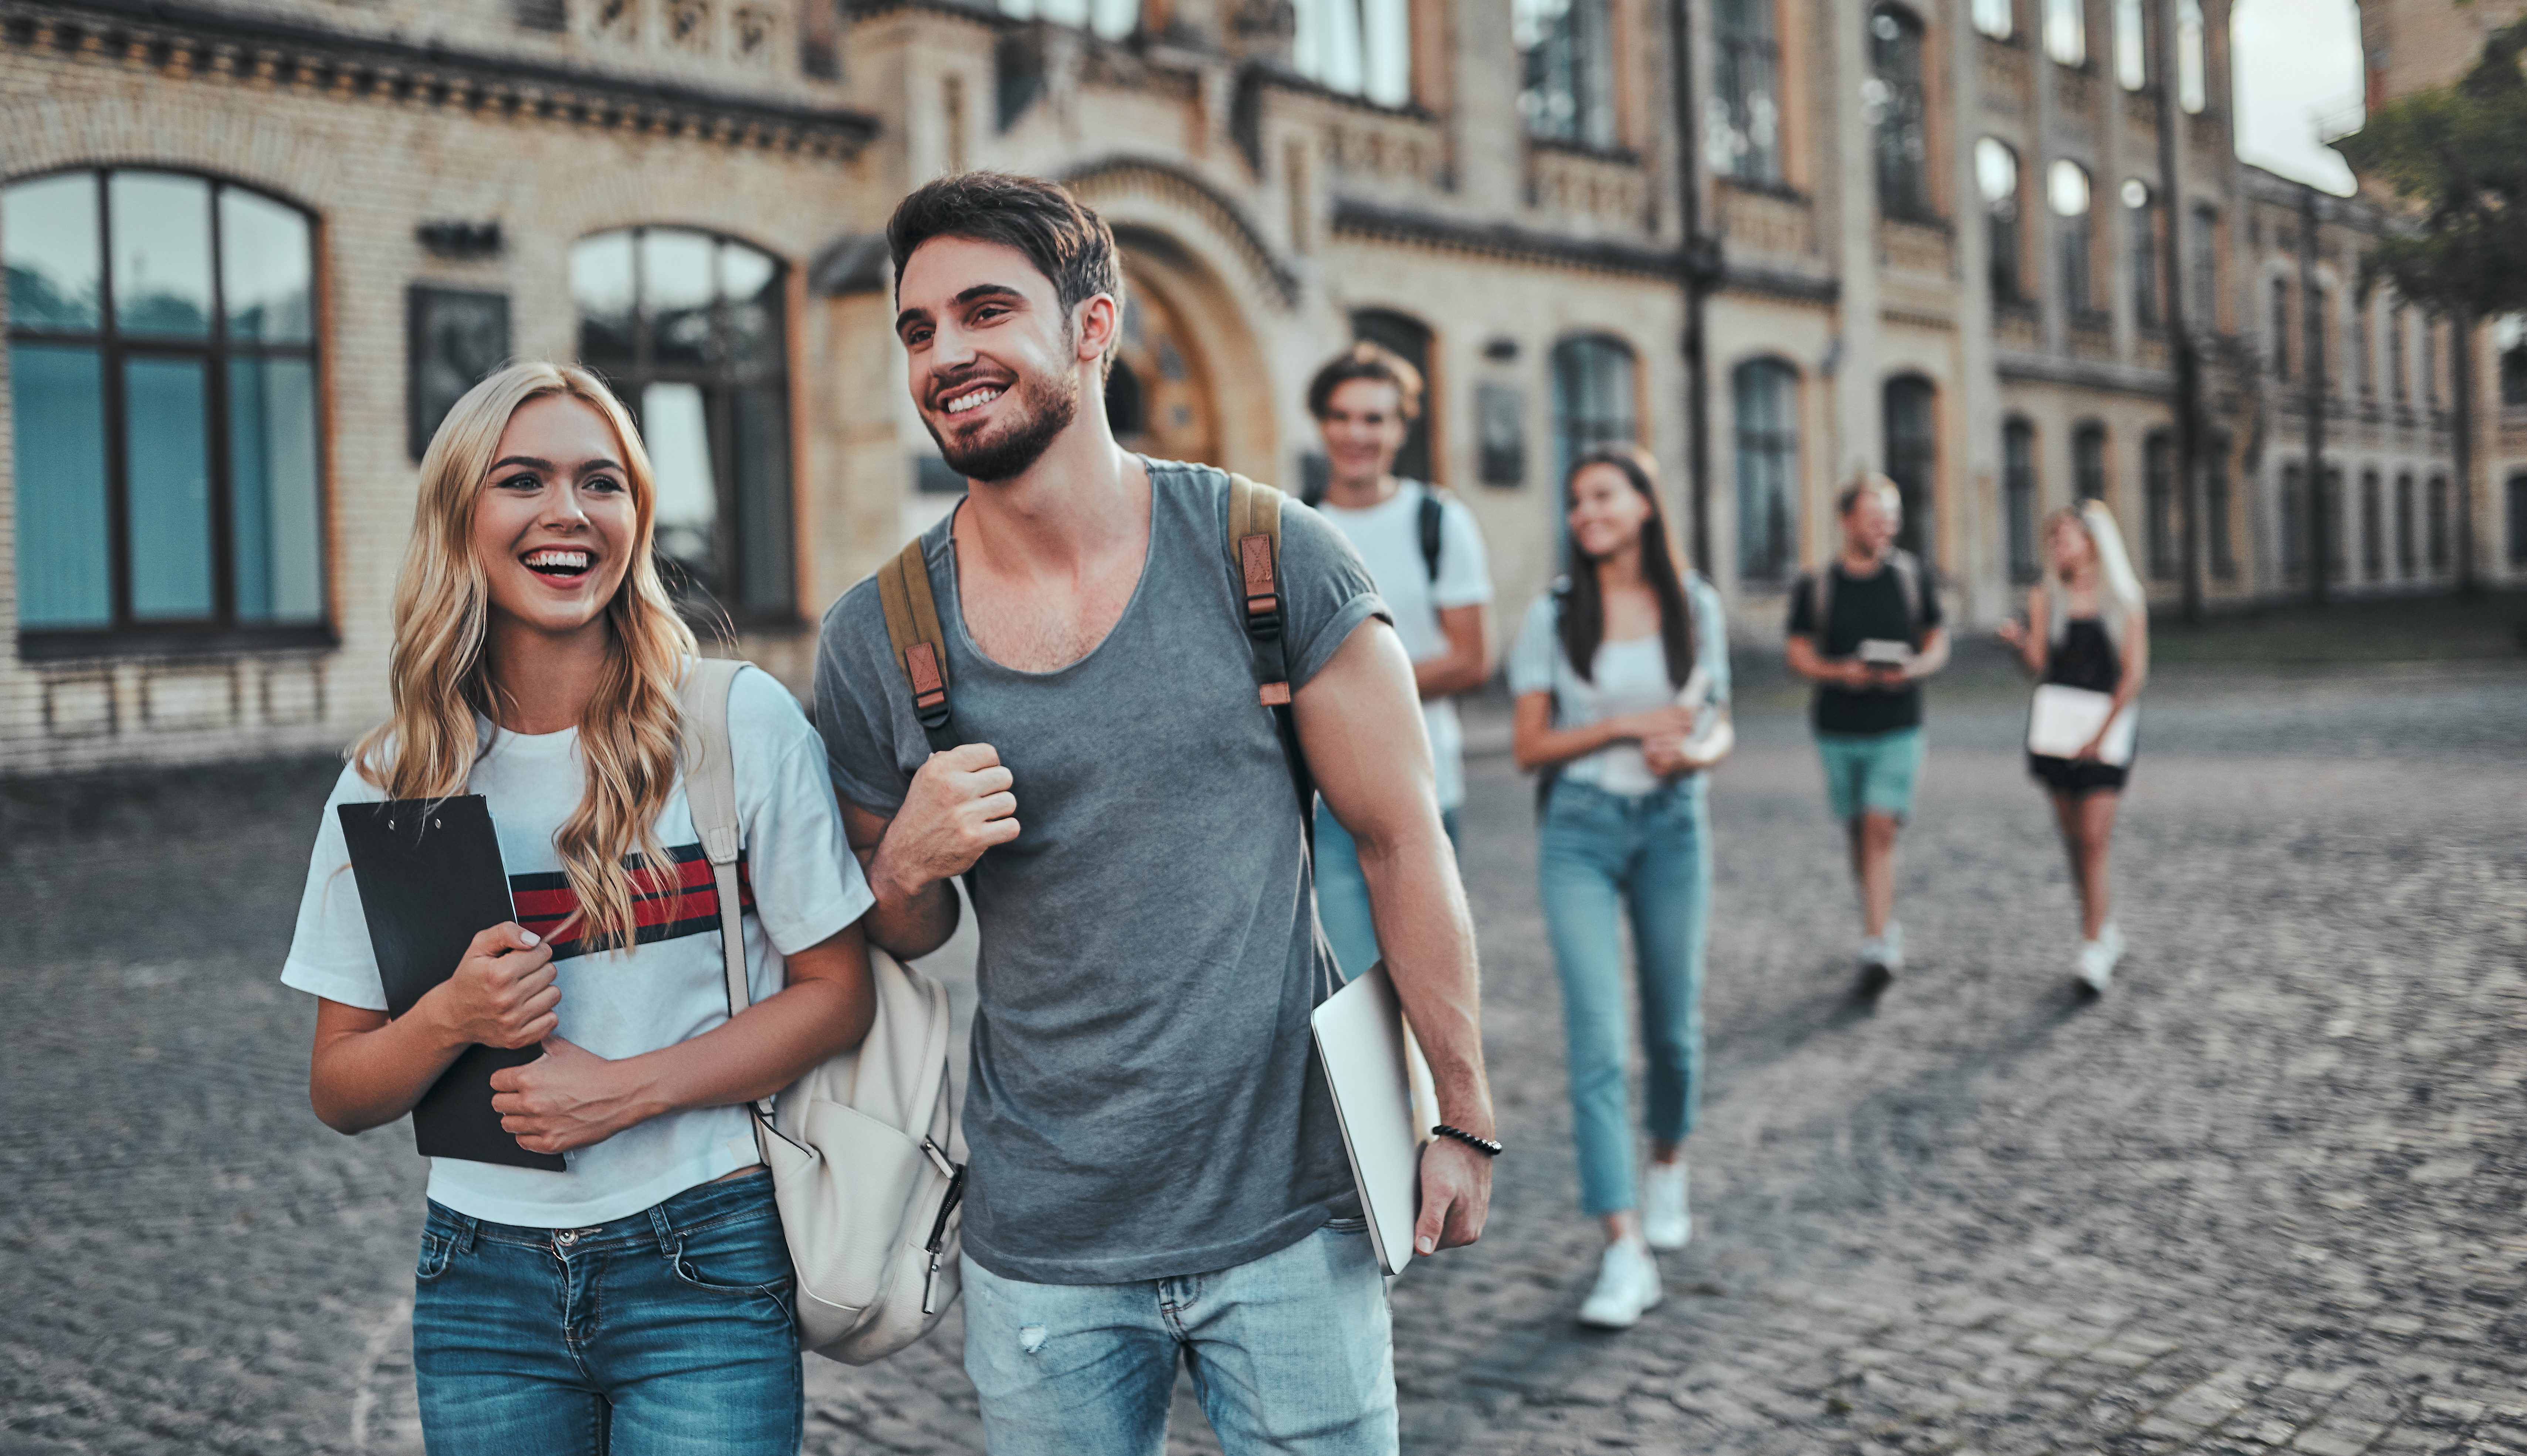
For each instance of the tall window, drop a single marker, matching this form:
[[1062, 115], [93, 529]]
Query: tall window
[[2437, 538], [2066, 31], [1996, 179], [1356, 47], [1594, 403], [2018, 499], [1568, 47], [2141, 225], [2430, 361], [2321, 324], [2075, 241], [1766, 394], [691, 329], [2088, 462], [2215, 510], [2373, 522], [2132, 50], [2158, 503], [1913, 460], [2294, 526], [2192, 72], [2364, 362], [1898, 114], [2405, 541], [2509, 337], [2205, 295], [162, 367], [1111, 19], [2281, 329], [2518, 521], [2400, 345], [2337, 548], [1745, 119], [1997, 18]]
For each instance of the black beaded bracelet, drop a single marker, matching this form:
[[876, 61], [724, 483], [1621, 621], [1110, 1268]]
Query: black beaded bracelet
[[1482, 1146]]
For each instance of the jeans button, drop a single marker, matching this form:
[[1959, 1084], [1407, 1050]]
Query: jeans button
[[566, 1238]]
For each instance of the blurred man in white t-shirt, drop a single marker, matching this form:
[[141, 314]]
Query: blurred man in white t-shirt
[[1425, 554]]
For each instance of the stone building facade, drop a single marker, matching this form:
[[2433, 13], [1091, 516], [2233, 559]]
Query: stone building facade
[[255, 246]]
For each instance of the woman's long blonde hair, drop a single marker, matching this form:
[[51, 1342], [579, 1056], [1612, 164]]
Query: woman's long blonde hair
[[442, 678], [2114, 565]]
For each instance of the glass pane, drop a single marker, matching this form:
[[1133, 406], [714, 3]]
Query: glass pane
[[1995, 169], [64, 576], [672, 425], [1386, 47], [2066, 31], [1992, 17], [2131, 57], [601, 286], [266, 269], [162, 252], [49, 227], [759, 445], [170, 489], [679, 282], [272, 456], [2190, 92], [752, 283], [1115, 18], [1326, 46]]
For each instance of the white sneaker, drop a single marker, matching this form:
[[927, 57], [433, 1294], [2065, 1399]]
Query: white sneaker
[[1666, 1222], [2098, 964], [1627, 1286], [1883, 952]]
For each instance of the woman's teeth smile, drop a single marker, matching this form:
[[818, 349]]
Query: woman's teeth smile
[[973, 399], [554, 560]]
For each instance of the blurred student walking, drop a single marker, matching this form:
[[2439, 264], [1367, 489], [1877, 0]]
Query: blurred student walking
[[1424, 552], [1622, 678], [1865, 628], [2088, 628]]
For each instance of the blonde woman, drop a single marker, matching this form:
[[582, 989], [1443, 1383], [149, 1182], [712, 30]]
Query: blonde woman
[[2088, 626], [640, 1301]]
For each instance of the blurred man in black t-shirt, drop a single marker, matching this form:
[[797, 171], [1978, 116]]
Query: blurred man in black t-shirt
[[1866, 630]]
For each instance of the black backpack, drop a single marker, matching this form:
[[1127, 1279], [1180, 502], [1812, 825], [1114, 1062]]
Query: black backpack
[[1433, 514]]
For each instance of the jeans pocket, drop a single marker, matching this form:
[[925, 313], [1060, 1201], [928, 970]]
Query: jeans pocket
[[436, 1247], [741, 1258]]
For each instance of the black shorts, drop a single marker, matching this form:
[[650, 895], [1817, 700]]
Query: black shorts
[[2076, 776]]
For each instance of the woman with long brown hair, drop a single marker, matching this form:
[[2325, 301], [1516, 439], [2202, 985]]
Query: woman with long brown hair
[[641, 1299], [1621, 680]]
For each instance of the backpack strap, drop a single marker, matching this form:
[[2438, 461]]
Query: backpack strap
[[709, 767], [921, 646], [1908, 582], [1434, 512], [1821, 600], [1255, 565]]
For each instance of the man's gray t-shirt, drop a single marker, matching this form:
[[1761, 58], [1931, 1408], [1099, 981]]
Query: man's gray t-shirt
[[1143, 1102]]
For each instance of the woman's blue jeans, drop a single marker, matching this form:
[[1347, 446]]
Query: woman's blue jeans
[[664, 1333], [1342, 891], [1604, 855]]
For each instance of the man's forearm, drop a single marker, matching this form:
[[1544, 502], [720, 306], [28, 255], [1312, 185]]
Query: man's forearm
[[1418, 908], [908, 920]]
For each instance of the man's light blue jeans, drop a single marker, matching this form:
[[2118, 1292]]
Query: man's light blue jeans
[[1342, 891], [1602, 855], [1289, 1352]]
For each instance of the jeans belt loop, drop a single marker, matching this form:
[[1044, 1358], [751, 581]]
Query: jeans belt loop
[[669, 1242], [467, 1226]]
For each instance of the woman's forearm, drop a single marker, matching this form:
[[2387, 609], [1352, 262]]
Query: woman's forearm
[[368, 1070], [1539, 747], [755, 1054]]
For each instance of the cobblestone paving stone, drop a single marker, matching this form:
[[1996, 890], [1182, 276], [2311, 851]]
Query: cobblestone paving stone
[[2266, 1196]]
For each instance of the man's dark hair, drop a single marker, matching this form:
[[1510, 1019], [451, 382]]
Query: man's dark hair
[[1066, 242], [1367, 361]]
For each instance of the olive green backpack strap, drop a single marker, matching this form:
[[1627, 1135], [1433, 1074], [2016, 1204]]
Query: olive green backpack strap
[[1254, 566], [921, 647]]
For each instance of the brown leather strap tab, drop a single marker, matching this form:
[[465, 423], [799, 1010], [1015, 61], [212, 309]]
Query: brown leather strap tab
[[921, 665], [1255, 557], [1274, 694]]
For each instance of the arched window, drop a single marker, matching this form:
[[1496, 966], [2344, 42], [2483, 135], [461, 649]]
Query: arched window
[[2294, 526], [1767, 393], [1594, 403], [2066, 31], [2131, 47], [1898, 113], [2215, 510], [1913, 459], [2018, 494], [2088, 462], [1744, 124], [1997, 18], [1356, 47], [2373, 524], [2437, 540], [2158, 503], [1111, 19], [1409, 339], [2067, 192], [2140, 216], [691, 329], [1996, 179], [2192, 72], [163, 380], [2404, 538], [1567, 53]]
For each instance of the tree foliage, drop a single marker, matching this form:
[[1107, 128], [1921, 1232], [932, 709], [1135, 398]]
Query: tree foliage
[[2457, 155]]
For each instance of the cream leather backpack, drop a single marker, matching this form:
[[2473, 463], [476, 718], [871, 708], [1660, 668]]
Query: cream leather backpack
[[864, 1150]]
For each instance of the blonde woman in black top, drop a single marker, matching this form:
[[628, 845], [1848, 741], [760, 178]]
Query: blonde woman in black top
[[2088, 626]]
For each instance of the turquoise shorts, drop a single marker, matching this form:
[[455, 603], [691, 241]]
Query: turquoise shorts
[[1870, 772]]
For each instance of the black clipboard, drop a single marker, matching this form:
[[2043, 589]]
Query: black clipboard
[[431, 880]]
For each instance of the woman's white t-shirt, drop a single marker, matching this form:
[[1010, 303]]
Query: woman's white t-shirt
[[801, 884], [1627, 676]]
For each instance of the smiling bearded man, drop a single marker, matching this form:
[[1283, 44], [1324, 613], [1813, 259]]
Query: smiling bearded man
[[1156, 1173]]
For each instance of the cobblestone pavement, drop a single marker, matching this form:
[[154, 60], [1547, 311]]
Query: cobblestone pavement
[[2267, 1195]]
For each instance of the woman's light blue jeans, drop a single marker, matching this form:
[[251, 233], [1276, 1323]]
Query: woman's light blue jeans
[[1342, 891], [1604, 855]]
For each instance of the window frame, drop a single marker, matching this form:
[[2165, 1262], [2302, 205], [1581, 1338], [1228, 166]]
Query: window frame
[[1919, 201], [2021, 501], [1593, 62], [220, 632], [1780, 446], [1737, 52], [1566, 449], [2159, 503], [1914, 468]]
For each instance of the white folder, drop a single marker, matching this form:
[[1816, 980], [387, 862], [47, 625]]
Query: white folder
[[1368, 1055], [2063, 719]]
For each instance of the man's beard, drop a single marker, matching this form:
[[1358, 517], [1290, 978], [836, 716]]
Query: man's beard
[[1047, 403]]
